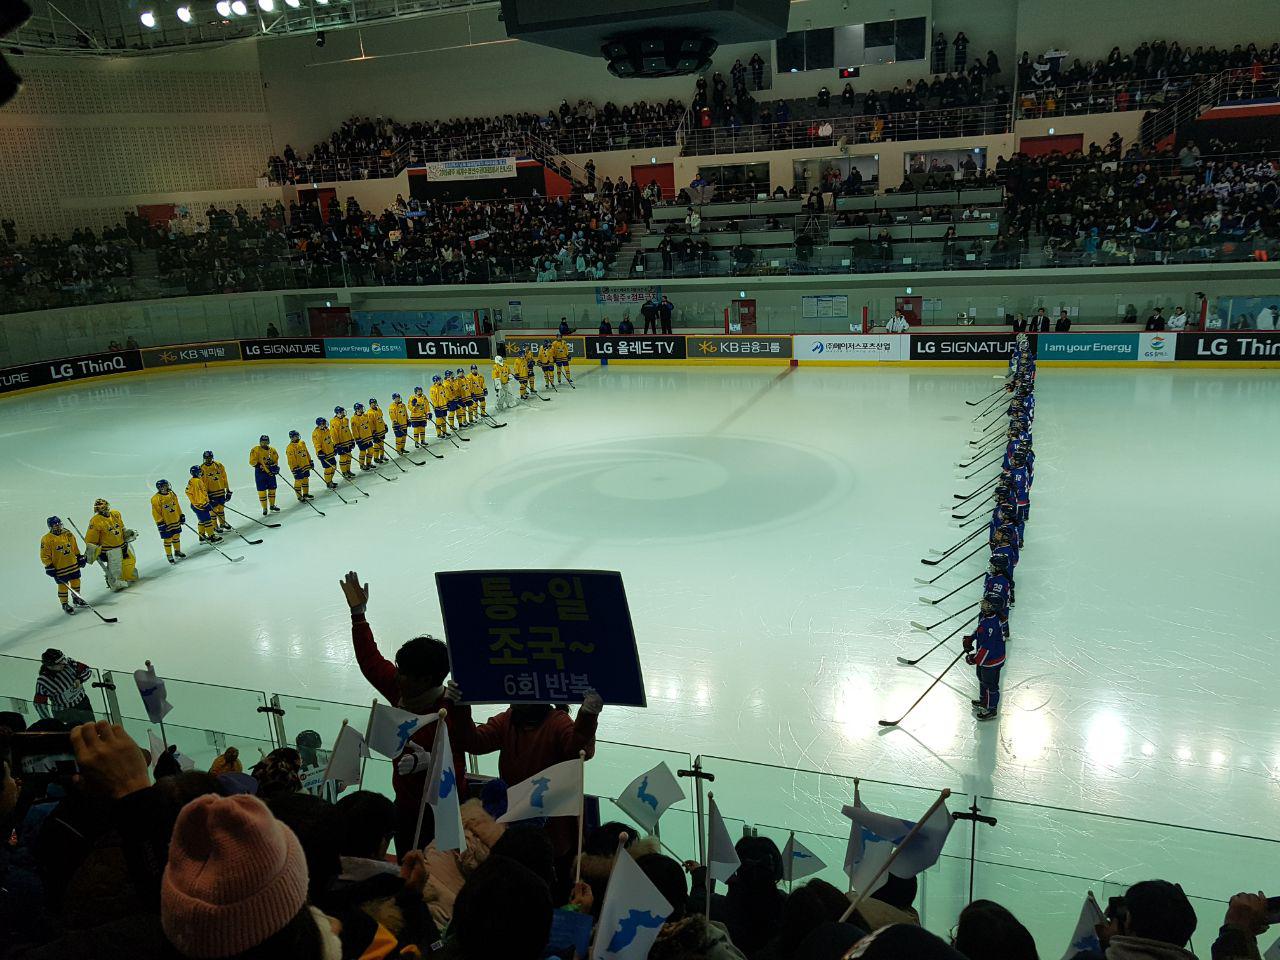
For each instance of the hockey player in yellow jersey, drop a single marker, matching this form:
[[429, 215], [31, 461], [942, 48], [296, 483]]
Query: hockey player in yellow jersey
[[322, 440], [548, 364], [107, 541], [167, 513], [466, 402], [453, 388], [379, 425], [501, 383], [198, 497], [62, 561], [300, 465], [399, 414], [266, 464], [560, 355], [419, 409], [343, 441], [440, 405], [362, 431], [522, 372], [478, 392], [531, 357], [214, 475]]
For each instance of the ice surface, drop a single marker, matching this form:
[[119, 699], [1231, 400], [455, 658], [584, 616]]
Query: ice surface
[[768, 524]]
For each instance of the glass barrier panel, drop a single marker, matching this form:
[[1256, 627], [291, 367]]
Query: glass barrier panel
[[200, 705], [201, 745], [377, 777], [1208, 863], [323, 717], [18, 688]]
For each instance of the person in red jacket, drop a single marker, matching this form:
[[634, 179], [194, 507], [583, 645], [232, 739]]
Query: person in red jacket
[[528, 738], [416, 682]]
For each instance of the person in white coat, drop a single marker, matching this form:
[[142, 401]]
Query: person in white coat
[[897, 323], [1178, 321]]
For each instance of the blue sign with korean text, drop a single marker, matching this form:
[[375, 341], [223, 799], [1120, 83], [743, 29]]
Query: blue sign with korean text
[[540, 636]]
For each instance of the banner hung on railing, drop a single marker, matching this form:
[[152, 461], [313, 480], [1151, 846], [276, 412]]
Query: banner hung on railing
[[540, 636], [495, 169], [70, 370], [624, 295], [577, 345], [222, 351], [713, 347]]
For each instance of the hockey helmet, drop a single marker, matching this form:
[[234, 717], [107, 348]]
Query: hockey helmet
[[162, 484], [546, 343], [358, 407], [339, 411], [373, 401], [195, 471], [992, 600], [294, 435], [54, 522], [101, 506], [1000, 562], [208, 455], [321, 422], [435, 379], [396, 396], [499, 360], [474, 368]]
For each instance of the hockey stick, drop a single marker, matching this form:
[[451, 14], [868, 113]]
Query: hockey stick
[[83, 602], [492, 422], [943, 554], [936, 681], [386, 452], [975, 455], [963, 497], [911, 663], [570, 383], [952, 567], [934, 603], [398, 455], [981, 504], [999, 454], [228, 506], [991, 408], [312, 506], [921, 626], [966, 523], [209, 544], [252, 543], [424, 448], [450, 438], [978, 403], [352, 482]]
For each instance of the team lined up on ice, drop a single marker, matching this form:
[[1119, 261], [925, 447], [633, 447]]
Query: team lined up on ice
[[456, 400], [985, 647]]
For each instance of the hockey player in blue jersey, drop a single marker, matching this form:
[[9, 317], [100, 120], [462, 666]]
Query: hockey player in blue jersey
[[984, 649], [1001, 543], [998, 583]]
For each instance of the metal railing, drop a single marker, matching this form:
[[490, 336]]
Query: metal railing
[[849, 130], [1209, 91], [1116, 96]]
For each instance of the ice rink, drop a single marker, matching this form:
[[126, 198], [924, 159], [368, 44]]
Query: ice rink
[[769, 524]]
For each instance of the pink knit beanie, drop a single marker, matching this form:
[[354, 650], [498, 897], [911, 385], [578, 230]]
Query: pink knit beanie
[[235, 876]]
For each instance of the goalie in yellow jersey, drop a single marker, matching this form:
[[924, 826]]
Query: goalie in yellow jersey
[[107, 540], [399, 414], [202, 506], [502, 383], [62, 561], [300, 463]]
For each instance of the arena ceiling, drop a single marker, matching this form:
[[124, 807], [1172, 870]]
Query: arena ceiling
[[122, 27]]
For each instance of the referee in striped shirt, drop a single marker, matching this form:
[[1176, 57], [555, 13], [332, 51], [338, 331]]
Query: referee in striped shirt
[[60, 690]]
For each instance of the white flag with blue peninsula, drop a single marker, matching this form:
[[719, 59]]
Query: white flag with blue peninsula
[[798, 861], [1085, 937], [442, 793], [649, 796], [555, 792], [390, 728], [633, 913]]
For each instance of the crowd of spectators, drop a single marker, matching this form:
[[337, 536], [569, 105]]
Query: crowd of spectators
[[139, 856], [1153, 74], [52, 271], [1108, 203], [364, 148]]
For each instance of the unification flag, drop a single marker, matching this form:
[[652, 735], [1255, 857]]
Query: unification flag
[[345, 768], [442, 793], [633, 913], [1085, 937], [923, 850], [868, 851], [798, 861], [649, 795], [555, 792], [722, 858], [151, 689], [390, 728]]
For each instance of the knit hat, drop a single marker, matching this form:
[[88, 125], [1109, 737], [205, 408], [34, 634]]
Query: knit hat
[[235, 877]]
